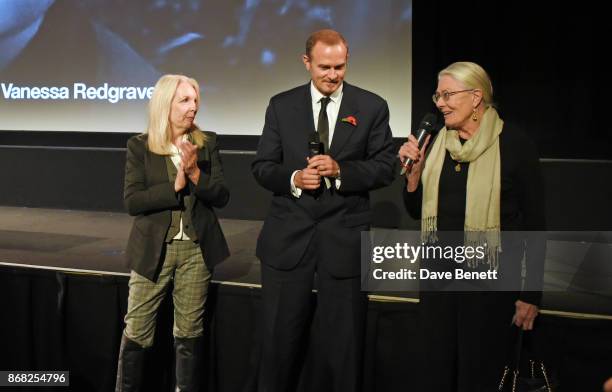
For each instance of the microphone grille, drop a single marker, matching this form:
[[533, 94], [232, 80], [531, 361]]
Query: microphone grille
[[428, 122], [314, 138]]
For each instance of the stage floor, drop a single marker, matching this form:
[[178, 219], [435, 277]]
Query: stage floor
[[94, 242]]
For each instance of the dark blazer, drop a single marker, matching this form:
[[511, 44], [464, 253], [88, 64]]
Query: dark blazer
[[149, 196], [365, 154]]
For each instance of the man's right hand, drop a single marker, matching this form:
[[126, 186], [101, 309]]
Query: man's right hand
[[307, 179]]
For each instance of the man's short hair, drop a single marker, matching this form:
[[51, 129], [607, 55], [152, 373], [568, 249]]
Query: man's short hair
[[326, 36]]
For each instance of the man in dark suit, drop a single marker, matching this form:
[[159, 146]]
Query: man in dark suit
[[320, 206]]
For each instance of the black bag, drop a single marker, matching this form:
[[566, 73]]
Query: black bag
[[512, 380]]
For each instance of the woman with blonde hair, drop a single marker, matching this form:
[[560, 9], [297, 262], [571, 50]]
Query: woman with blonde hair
[[480, 176], [173, 179]]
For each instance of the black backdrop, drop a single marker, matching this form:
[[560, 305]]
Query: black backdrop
[[544, 58]]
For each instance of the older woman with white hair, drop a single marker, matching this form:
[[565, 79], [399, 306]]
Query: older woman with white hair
[[478, 176], [173, 179]]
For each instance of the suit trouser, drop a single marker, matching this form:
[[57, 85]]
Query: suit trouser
[[184, 263], [338, 328]]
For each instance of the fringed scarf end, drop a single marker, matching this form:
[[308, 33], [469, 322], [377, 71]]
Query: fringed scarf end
[[490, 240], [429, 229]]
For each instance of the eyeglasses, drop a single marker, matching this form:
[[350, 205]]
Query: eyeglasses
[[445, 95]]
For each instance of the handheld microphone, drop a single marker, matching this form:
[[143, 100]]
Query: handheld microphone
[[425, 128], [315, 147]]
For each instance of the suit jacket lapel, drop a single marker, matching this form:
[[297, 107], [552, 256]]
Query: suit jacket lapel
[[344, 130]]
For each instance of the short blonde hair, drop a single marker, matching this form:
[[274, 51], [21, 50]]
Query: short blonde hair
[[472, 76], [158, 129]]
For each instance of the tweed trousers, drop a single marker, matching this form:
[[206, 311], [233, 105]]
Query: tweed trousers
[[184, 266]]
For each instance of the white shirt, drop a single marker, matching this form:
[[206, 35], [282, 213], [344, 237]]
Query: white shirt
[[176, 159], [333, 108]]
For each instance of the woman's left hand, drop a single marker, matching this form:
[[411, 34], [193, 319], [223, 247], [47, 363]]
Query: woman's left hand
[[189, 160], [525, 314]]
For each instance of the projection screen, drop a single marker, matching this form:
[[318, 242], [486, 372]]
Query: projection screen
[[89, 65]]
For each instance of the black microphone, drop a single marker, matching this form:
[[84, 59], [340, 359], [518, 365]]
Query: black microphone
[[425, 128], [315, 147]]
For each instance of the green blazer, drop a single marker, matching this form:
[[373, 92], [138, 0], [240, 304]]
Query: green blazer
[[150, 197]]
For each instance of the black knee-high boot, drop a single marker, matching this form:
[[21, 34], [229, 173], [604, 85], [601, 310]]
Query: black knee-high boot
[[129, 366], [188, 353]]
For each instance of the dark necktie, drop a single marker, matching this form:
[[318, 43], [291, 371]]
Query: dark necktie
[[323, 130], [323, 124]]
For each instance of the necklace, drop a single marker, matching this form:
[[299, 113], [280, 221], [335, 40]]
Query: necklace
[[458, 167]]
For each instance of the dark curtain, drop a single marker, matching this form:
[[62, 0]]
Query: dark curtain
[[58, 321], [545, 60]]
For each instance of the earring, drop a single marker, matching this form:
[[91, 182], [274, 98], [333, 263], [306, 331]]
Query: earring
[[474, 116]]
